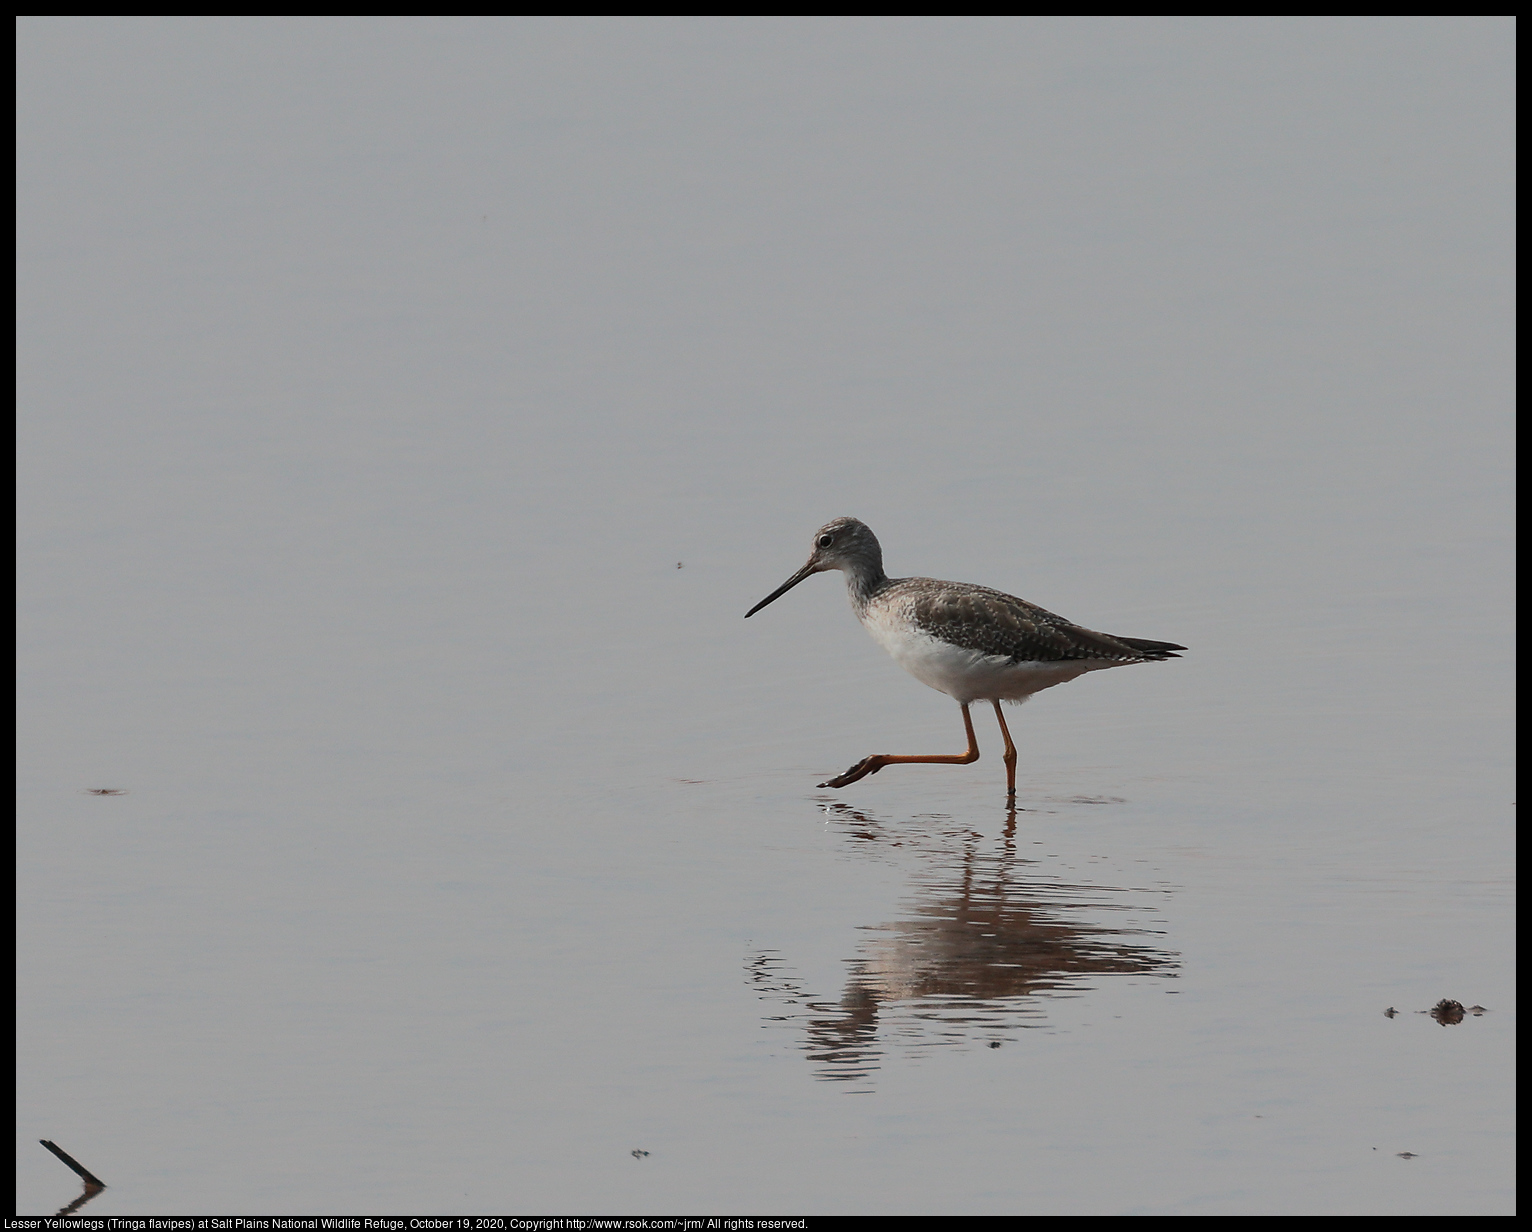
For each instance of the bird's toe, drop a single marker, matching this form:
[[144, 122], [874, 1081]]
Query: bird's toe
[[868, 765]]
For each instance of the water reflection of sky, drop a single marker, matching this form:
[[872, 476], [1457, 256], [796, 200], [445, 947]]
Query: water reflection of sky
[[984, 938], [375, 374]]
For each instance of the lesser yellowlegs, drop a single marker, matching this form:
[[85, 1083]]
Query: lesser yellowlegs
[[970, 642]]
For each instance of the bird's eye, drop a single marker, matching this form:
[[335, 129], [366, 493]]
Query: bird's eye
[[826, 540]]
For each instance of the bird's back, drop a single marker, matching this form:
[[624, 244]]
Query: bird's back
[[992, 622]]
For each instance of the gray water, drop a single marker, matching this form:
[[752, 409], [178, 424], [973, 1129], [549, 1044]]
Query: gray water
[[410, 410]]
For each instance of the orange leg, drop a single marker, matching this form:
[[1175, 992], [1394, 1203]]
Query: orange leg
[[871, 765], [1010, 756]]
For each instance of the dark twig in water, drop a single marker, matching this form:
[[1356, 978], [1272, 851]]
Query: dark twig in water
[[91, 1182]]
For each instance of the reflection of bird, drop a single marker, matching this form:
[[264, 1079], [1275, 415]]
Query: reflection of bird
[[976, 952], [970, 642]]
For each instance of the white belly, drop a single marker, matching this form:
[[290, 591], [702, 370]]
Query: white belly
[[968, 675]]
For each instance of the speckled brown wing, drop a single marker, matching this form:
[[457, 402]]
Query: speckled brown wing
[[995, 623]]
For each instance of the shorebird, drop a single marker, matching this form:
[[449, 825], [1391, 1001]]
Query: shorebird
[[969, 642]]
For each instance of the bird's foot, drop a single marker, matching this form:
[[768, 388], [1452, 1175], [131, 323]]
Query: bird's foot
[[868, 765]]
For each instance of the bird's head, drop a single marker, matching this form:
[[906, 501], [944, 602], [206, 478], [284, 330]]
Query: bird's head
[[845, 544]]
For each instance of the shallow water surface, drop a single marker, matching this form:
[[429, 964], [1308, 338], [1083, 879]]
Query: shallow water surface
[[411, 409]]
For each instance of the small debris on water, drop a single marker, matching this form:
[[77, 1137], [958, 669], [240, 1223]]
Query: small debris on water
[[91, 1182], [1449, 1013], [105, 791], [1408, 1155], [639, 1154], [1390, 1012]]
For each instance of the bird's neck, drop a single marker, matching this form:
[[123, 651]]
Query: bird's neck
[[864, 582]]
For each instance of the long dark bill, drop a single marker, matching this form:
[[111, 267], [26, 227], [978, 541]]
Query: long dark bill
[[783, 589]]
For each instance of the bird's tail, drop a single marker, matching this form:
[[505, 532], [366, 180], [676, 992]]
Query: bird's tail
[[1152, 651]]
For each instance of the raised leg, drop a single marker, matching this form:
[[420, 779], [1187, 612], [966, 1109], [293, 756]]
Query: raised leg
[[1010, 756], [871, 765]]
